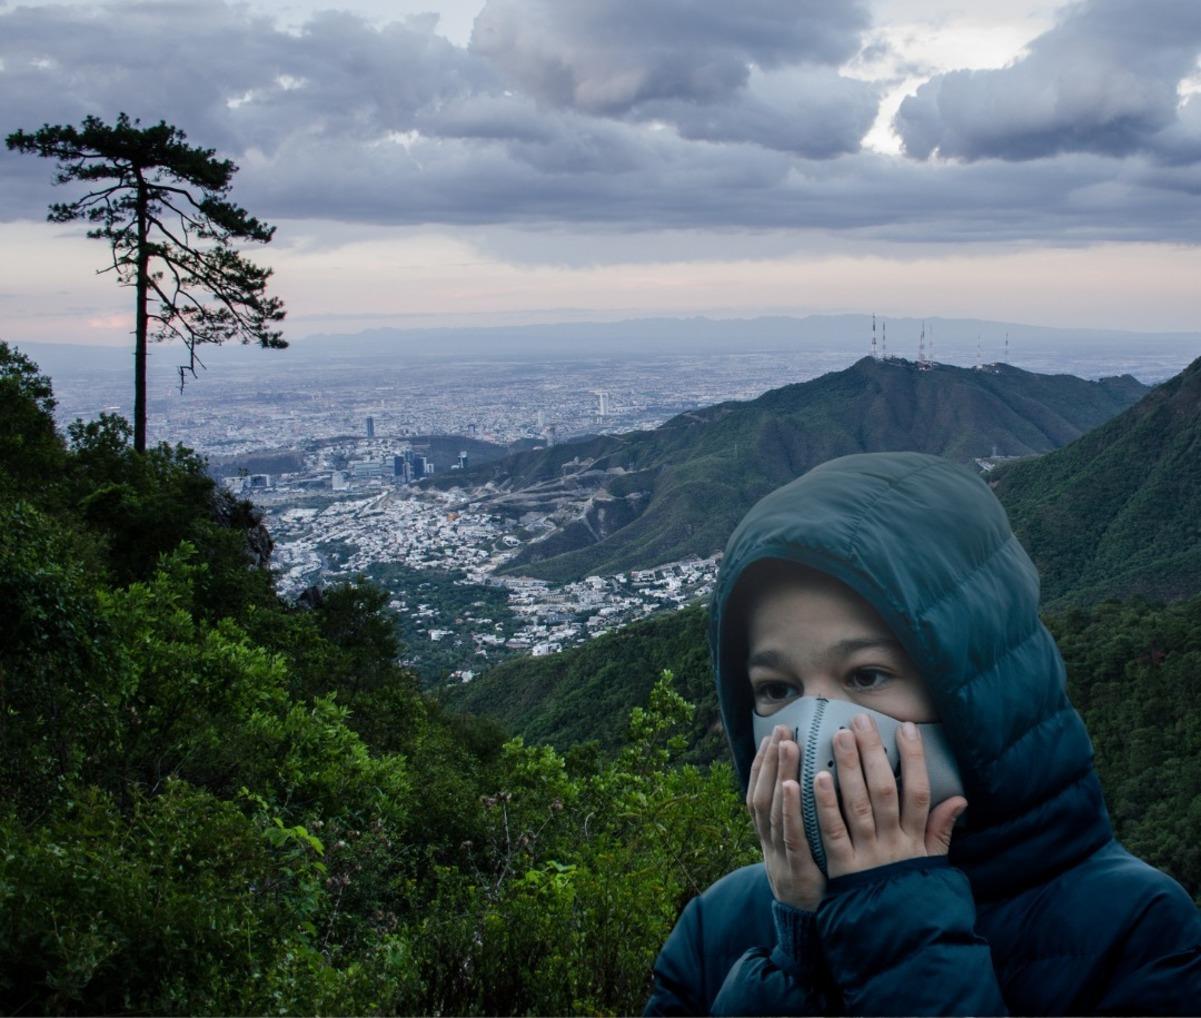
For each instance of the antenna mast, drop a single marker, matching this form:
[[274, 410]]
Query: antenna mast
[[884, 340], [1007, 348], [875, 351]]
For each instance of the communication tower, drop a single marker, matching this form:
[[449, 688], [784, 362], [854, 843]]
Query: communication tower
[[1007, 348], [884, 340], [922, 363], [875, 350]]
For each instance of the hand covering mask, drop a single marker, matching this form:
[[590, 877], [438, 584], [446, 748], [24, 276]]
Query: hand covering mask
[[814, 720]]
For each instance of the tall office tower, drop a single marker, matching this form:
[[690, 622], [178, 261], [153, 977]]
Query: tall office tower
[[398, 466], [603, 409], [471, 430], [371, 427], [462, 460], [541, 420], [418, 466]]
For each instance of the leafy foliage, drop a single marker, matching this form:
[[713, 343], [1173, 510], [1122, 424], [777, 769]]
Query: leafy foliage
[[1134, 673], [215, 801]]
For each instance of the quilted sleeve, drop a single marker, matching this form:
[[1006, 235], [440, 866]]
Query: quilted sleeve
[[1158, 970], [786, 979], [900, 939]]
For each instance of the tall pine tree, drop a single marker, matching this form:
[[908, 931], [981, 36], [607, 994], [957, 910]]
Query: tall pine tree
[[161, 205]]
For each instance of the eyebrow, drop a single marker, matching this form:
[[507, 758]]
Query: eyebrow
[[777, 660]]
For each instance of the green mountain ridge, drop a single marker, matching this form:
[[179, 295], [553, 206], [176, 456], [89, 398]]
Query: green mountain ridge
[[636, 500], [1117, 512], [585, 693]]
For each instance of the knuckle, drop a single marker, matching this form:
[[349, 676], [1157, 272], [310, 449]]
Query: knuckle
[[836, 835], [862, 808]]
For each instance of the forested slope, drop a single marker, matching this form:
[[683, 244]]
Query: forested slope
[[213, 801], [1118, 511], [584, 693]]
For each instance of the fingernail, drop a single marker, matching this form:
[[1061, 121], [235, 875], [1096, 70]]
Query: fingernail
[[861, 722], [763, 743], [845, 739], [909, 730]]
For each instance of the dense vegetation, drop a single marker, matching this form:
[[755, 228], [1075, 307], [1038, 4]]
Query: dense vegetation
[[216, 801], [584, 693], [213, 801], [1117, 512], [679, 490]]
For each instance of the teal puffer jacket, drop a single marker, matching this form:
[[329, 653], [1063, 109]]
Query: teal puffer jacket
[[1037, 910]]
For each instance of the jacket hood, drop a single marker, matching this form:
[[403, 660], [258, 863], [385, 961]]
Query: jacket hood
[[928, 545]]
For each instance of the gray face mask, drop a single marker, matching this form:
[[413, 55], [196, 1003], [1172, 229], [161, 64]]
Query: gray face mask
[[814, 720]]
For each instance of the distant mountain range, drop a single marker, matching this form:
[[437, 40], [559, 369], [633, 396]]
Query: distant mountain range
[[1088, 351], [635, 500], [1151, 355], [1117, 512]]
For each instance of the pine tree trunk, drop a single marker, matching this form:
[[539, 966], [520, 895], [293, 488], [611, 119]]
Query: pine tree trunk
[[139, 353]]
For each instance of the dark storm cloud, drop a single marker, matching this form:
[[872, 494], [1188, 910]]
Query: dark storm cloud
[[652, 115], [1104, 80], [230, 77], [696, 66], [810, 111], [607, 57]]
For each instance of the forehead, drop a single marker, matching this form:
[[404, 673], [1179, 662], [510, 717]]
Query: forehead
[[808, 607]]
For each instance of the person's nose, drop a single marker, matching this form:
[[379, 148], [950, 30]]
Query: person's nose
[[826, 686]]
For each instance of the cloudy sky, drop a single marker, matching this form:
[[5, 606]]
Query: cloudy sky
[[539, 160]]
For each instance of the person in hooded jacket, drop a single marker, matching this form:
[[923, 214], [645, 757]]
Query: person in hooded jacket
[[892, 581]]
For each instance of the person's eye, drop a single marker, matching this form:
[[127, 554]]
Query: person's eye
[[775, 692], [868, 678]]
